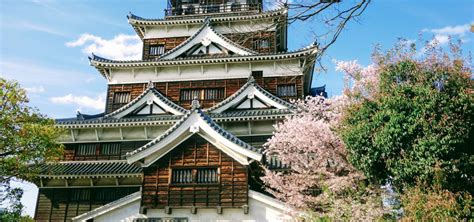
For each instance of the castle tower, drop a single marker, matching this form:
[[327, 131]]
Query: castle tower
[[182, 133]]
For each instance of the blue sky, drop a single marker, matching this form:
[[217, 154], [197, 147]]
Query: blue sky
[[44, 43]]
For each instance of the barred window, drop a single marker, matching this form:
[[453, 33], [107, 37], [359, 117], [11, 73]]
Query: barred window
[[211, 94], [286, 90], [157, 49], [182, 176], [202, 94], [190, 94], [191, 176], [206, 176], [110, 149], [122, 97], [86, 150], [261, 44], [257, 74]]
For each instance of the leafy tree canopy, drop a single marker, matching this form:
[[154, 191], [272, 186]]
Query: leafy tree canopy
[[27, 140], [417, 114]]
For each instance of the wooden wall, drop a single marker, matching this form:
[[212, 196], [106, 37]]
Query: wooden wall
[[172, 89], [244, 39], [62, 204], [170, 43], [230, 191], [70, 153]]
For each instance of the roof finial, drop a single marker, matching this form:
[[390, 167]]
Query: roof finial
[[195, 104], [150, 85], [251, 79]]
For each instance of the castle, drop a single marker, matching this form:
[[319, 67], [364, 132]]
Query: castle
[[182, 133]]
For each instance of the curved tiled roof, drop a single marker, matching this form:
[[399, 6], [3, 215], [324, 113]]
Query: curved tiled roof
[[209, 121], [82, 169], [207, 24], [163, 98], [99, 62], [250, 82]]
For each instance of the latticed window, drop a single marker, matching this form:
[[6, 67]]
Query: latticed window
[[260, 44], [157, 49], [206, 175], [202, 94], [286, 90], [86, 150], [110, 149], [195, 176], [122, 97], [182, 176]]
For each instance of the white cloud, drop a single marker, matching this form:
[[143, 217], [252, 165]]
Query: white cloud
[[459, 30], [442, 35], [82, 101], [35, 89], [121, 47], [275, 4]]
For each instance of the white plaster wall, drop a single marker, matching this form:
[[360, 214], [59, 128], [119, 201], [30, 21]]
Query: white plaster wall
[[125, 213], [181, 30], [208, 71], [258, 212]]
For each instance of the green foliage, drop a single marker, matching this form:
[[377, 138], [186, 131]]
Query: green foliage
[[423, 203], [421, 115], [27, 139]]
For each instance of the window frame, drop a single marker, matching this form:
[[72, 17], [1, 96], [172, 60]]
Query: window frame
[[116, 95], [160, 49], [294, 94], [194, 174], [201, 94]]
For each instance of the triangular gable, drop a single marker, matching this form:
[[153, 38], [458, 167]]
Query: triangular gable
[[150, 102], [195, 122], [206, 41], [250, 96]]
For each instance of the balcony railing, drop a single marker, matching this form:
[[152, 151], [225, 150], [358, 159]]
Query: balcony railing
[[196, 9]]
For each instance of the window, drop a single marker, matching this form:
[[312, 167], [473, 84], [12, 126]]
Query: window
[[202, 94], [122, 97], [257, 74], [260, 44], [110, 149], [206, 176], [86, 150], [286, 90], [157, 49], [195, 176], [182, 176]]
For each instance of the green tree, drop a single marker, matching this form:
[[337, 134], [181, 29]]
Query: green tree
[[419, 115], [27, 140]]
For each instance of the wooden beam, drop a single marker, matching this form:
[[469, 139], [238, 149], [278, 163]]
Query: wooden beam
[[73, 136], [97, 135], [121, 133]]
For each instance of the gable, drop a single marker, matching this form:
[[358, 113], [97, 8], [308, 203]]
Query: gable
[[206, 41], [194, 123], [250, 96], [150, 102]]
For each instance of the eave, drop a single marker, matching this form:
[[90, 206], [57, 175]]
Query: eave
[[104, 65], [140, 24]]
